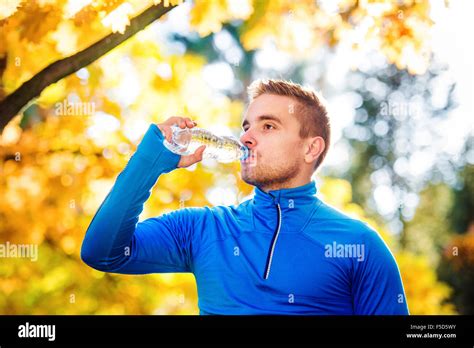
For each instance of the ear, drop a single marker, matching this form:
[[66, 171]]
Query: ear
[[314, 148]]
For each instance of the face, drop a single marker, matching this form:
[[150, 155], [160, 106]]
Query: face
[[271, 132]]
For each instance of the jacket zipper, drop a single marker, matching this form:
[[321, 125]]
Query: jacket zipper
[[273, 244]]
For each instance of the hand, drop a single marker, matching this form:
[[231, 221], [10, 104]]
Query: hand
[[182, 122]]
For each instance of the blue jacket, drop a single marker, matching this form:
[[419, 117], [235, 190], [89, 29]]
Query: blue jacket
[[281, 252]]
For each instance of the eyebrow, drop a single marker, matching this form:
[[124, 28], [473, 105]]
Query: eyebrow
[[263, 118]]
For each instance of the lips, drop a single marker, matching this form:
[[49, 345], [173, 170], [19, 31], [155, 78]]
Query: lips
[[251, 159]]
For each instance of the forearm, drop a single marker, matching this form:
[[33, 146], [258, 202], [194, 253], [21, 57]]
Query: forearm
[[111, 230]]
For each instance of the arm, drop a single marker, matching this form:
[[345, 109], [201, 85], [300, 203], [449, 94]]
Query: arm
[[377, 284], [114, 242]]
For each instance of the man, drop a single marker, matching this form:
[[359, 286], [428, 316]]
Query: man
[[282, 252]]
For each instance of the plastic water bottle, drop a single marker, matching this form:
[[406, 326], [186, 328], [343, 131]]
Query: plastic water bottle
[[221, 148]]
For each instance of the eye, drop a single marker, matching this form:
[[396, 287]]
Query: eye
[[268, 126]]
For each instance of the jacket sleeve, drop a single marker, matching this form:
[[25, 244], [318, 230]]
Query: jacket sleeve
[[377, 287], [116, 242]]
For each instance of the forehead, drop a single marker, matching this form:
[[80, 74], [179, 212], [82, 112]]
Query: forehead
[[271, 104]]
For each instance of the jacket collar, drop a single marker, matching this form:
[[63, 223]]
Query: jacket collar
[[288, 197]]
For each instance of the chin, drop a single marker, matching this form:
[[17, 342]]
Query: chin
[[248, 176]]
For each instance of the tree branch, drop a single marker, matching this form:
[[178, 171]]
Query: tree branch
[[16, 101]]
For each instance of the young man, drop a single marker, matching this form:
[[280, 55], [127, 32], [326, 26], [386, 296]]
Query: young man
[[282, 252]]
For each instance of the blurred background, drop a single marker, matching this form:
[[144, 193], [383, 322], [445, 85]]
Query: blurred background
[[397, 76]]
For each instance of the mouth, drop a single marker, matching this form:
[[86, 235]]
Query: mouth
[[251, 159]]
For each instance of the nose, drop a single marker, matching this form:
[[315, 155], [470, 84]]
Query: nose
[[247, 139]]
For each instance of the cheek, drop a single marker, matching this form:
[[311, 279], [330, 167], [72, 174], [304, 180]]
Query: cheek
[[281, 150]]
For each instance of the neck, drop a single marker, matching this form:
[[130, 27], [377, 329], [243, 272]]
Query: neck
[[295, 182]]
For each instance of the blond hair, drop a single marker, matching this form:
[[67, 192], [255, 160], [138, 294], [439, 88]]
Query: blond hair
[[310, 108]]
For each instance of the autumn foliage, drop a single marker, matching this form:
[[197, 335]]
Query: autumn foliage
[[58, 161]]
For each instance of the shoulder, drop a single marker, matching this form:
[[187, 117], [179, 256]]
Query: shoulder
[[329, 225], [330, 220], [188, 214], [208, 224], [326, 213], [208, 215]]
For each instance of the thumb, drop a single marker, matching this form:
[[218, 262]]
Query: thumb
[[198, 154], [188, 160]]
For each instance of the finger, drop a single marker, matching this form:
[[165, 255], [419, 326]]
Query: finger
[[172, 120], [166, 131], [189, 122], [182, 123], [189, 160], [196, 156], [199, 153], [179, 121]]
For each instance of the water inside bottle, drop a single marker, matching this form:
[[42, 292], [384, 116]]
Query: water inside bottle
[[224, 149]]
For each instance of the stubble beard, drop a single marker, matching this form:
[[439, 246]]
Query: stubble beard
[[270, 177]]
